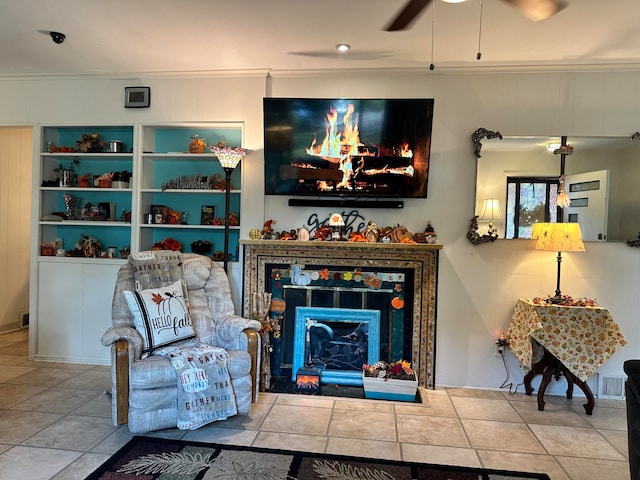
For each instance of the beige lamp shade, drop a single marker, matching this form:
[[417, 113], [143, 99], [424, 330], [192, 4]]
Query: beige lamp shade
[[558, 237], [537, 230], [490, 211]]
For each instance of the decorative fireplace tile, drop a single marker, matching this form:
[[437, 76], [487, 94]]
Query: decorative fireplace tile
[[326, 260]]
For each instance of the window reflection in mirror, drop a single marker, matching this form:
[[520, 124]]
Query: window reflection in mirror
[[600, 177], [530, 200]]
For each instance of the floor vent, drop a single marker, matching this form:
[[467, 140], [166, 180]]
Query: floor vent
[[611, 386], [23, 319]]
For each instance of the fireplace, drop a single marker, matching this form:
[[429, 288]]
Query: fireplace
[[398, 280], [337, 341]]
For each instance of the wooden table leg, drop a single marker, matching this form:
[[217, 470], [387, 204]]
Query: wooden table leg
[[588, 407], [536, 369], [546, 379], [528, 389], [550, 367]]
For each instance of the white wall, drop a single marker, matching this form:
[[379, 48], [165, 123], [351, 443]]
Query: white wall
[[478, 284]]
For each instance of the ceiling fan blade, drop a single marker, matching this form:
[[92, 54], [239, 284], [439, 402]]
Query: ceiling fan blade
[[407, 15], [537, 9]]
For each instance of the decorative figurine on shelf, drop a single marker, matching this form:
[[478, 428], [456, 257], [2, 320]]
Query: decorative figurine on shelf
[[197, 144], [267, 229], [89, 247], [430, 233], [371, 234], [336, 222], [71, 206], [90, 143]]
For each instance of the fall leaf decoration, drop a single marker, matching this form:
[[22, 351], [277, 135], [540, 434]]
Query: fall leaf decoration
[[168, 244], [90, 143], [157, 298]]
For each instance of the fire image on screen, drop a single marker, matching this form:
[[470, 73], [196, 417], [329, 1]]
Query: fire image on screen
[[347, 147]]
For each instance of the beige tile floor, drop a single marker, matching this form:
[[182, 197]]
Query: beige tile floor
[[55, 424]]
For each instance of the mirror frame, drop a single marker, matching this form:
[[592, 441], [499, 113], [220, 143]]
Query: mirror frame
[[480, 134]]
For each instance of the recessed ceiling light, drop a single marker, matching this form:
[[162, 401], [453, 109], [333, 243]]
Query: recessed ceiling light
[[453, 1], [343, 47]]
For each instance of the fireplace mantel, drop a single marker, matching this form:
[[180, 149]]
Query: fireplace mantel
[[421, 258]]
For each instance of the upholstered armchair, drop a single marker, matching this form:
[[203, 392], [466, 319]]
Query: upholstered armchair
[[144, 390], [632, 395]]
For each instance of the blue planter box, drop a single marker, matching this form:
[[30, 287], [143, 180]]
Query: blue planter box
[[389, 389]]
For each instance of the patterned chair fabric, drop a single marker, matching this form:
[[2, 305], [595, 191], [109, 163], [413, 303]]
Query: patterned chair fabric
[[144, 391]]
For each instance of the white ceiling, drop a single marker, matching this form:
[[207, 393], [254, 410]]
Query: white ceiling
[[125, 36]]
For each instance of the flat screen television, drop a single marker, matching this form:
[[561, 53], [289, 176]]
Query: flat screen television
[[352, 148]]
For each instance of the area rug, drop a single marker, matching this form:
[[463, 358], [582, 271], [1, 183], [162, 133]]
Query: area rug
[[146, 458]]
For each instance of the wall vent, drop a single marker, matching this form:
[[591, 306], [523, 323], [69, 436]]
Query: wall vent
[[23, 319], [611, 386]]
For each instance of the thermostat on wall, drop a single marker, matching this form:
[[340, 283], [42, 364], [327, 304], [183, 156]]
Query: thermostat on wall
[[137, 97]]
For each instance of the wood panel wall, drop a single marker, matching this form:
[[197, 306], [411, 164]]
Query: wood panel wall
[[15, 216]]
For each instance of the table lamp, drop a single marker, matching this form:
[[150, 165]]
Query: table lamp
[[229, 158], [490, 213], [558, 237]]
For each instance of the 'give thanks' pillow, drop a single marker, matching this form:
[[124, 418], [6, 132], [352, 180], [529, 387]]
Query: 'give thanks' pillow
[[160, 315]]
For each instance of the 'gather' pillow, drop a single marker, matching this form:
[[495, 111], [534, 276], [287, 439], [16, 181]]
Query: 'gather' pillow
[[160, 315]]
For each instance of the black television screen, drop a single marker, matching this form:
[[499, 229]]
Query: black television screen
[[347, 147]]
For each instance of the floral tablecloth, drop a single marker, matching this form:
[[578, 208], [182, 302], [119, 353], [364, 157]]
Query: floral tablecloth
[[582, 338]]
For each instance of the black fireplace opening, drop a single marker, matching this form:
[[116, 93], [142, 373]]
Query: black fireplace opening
[[387, 290]]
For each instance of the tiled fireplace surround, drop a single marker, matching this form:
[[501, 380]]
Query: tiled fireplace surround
[[421, 259]]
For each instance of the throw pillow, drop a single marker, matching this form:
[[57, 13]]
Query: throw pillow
[[160, 315], [156, 268]]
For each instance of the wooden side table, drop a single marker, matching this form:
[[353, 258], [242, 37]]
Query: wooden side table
[[562, 340], [550, 367]]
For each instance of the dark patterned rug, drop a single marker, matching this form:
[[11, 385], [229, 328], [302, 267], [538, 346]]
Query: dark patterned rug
[[157, 458]]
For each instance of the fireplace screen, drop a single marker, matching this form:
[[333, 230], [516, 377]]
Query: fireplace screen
[[338, 341]]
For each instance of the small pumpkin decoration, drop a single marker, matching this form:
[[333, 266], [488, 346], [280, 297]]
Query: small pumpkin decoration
[[303, 234], [398, 233], [197, 144], [397, 303]]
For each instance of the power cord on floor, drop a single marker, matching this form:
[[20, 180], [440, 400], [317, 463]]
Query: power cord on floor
[[513, 389]]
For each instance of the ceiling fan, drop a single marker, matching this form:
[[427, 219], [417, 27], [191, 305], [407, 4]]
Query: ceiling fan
[[534, 9]]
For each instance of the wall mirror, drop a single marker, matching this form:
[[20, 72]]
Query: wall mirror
[[519, 176]]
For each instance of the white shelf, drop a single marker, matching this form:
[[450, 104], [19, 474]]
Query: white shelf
[[88, 223], [188, 190], [188, 226]]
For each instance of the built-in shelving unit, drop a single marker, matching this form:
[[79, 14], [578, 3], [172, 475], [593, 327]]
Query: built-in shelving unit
[[165, 158], [70, 296]]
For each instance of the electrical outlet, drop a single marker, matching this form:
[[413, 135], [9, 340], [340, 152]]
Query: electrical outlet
[[501, 344]]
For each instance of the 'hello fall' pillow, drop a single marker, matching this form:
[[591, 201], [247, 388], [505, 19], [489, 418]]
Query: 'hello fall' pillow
[[160, 315]]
